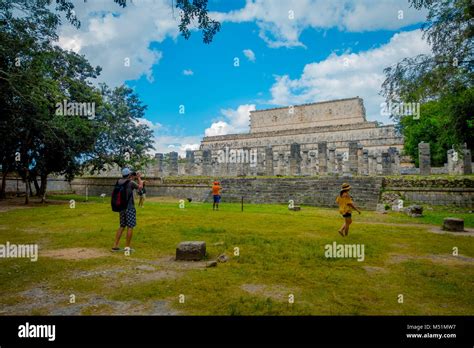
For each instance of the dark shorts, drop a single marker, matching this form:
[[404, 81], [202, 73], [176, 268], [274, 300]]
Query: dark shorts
[[217, 198], [128, 218], [347, 215]]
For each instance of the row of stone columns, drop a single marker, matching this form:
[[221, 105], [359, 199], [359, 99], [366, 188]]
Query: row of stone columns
[[459, 162], [322, 161]]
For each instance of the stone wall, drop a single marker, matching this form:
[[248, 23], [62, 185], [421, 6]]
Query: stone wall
[[433, 191], [309, 191], [317, 191], [335, 112]]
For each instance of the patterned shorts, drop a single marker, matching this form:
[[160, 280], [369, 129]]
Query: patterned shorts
[[128, 218]]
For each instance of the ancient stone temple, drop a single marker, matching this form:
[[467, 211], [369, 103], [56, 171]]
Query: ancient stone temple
[[332, 137]]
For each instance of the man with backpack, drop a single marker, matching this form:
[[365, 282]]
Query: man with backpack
[[123, 202]]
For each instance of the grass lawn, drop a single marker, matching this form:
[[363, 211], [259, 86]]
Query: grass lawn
[[282, 253]]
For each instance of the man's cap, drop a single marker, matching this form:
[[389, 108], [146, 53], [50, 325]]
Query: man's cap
[[126, 171], [345, 187], [216, 182]]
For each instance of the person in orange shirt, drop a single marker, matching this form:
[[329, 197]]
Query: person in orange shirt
[[216, 195], [344, 200]]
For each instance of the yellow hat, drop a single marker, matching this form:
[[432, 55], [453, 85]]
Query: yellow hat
[[345, 187]]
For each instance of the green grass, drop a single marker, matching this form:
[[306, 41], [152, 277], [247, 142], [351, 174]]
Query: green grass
[[281, 252]]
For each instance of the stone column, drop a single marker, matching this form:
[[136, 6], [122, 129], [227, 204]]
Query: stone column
[[467, 159], [353, 160], [173, 165], [332, 161], [451, 162], [365, 162], [159, 164], [322, 157], [305, 163], [372, 163], [312, 162], [206, 162], [394, 160], [197, 167], [295, 159], [360, 159], [269, 161], [386, 163], [424, 158], [339, 164], [378, 168], [189, 162]]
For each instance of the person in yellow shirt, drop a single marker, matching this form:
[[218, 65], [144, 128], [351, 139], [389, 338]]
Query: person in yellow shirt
[[216, 195], [344, 200]]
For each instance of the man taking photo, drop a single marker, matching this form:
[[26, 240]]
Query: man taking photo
[[123, 193]]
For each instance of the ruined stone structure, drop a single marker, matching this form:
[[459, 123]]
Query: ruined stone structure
[[323, 138], [318, 139]]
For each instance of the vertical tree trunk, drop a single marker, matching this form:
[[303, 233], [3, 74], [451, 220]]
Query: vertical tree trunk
[[27, 179], [37, 187], [4, 183], [44, 186]]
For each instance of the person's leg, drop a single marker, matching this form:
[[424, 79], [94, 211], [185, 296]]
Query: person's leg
[[118, 235], [131, 223], [343, 228], [129, 237], [348, 222]]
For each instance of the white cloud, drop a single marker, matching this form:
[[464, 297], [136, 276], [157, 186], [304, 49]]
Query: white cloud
[[236, 121], [218, 128], [119, 39], [150, 124], [249, 54], [349, 75], [281, 22], [168, 143], [188, 72]]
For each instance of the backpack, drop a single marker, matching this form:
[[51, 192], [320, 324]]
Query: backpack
[[119, 197]]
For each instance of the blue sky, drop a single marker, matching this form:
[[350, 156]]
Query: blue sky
[[289, 52]]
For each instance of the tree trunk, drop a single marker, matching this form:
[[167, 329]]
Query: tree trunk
[[44, 185], [27, 179], [4, 183], [37, 187]]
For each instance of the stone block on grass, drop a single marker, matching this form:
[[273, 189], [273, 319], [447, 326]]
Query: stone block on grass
[[191, 251], [453, 224]]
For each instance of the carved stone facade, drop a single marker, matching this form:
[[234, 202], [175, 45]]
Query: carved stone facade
[[312, 139]]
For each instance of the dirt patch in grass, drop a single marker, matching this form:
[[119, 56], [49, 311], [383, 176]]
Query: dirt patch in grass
[[467, 231], [374, 270], [75, 253], [275, 292], [441, 259], [169, 263], [13, 203], [42, 300]]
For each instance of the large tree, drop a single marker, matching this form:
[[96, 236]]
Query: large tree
[[443, 80], [35, 75], [123, 140]]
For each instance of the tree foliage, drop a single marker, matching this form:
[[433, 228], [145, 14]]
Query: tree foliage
[[442, 81]]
